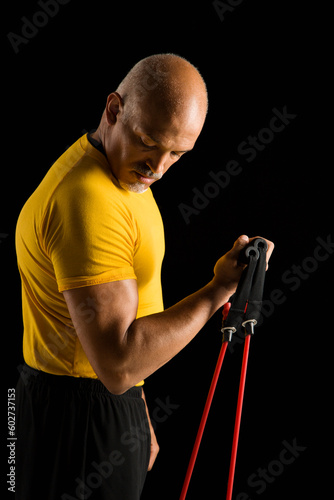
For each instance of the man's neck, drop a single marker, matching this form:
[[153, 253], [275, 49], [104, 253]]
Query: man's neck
[[96, 136]]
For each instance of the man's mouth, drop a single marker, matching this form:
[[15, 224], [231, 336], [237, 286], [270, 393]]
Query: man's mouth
[[143, 179], [145, 175]]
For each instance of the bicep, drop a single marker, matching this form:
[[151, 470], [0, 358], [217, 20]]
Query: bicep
[[101, 315]]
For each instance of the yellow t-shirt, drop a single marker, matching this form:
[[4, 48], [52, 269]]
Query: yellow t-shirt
[[81, 228]]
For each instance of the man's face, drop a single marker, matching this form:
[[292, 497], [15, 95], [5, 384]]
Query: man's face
[[142, 146]]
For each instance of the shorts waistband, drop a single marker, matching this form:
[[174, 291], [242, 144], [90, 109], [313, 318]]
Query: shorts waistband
[[64, 382]]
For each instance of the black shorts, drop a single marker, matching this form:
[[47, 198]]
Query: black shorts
[[77, 441]]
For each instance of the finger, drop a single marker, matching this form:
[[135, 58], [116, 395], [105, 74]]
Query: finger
[[241, 242], [270, 250], [239, 245]]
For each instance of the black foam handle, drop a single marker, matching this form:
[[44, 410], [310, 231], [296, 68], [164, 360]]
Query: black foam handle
[[253, 248]]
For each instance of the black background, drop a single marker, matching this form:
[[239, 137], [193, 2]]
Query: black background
[[262, 55]]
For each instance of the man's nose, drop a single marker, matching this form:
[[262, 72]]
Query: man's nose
[[157, 163]]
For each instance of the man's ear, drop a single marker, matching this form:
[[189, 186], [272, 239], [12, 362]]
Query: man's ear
[[113, 107]]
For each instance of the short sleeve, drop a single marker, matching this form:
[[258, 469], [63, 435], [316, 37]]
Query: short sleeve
[[89, 235]]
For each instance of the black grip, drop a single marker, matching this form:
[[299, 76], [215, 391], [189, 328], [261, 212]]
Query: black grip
[[253, 248]]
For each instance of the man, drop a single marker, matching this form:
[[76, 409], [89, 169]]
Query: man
[[90, 245]]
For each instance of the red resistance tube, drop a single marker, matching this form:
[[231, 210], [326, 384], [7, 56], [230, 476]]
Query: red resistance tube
[[206, 413], [203, 420], [238, 418]]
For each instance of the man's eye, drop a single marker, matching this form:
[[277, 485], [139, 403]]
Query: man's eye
[[146, 144]]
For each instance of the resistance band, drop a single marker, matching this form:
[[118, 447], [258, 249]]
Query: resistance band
[[244, 310]]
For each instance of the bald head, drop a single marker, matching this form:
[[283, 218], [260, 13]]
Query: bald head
[[152, 119], [166, 82]]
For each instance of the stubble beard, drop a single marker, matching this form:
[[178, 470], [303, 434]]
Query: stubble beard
[[136, 187]]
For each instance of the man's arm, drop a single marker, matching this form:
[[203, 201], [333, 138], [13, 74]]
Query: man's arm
[[124, 350]]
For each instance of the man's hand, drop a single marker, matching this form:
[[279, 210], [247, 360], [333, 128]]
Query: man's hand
[[154, 449], [228, 271], [154, 443]]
